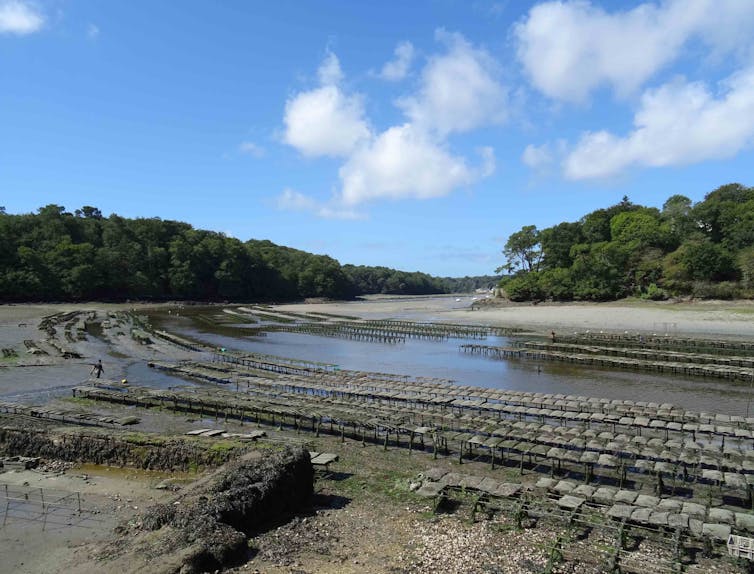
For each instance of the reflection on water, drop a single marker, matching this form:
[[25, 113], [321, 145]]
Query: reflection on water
[[141, 374], [443, 359]]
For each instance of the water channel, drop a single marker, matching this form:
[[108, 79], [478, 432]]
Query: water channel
[[443, 359]]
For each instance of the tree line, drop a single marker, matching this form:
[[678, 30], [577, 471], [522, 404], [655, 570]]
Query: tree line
[[56, 255], [702, 250]]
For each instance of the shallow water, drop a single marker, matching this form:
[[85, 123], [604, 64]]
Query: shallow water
[[444, 359]]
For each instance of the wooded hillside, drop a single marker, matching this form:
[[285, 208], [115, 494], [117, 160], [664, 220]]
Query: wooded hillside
[[55, 255], [704, 249]]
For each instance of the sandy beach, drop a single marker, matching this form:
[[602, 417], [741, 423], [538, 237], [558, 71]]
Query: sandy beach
[[734, 319], [700, 319]]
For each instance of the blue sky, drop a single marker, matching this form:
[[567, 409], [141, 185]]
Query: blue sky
[[415, 135]]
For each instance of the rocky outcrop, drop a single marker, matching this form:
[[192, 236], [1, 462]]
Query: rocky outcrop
[[208, 528]]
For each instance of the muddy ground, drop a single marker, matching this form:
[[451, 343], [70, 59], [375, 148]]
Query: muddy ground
[[363, 516]]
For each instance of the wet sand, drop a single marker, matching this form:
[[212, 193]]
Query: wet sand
[[706, 319], [699, 319], [119, 497], [108, 496]]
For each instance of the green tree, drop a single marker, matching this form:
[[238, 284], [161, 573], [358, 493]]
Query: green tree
[[557, 242], [522, 250], [700, 261], [523, 287], [712, 214], [676, 212], [641, 226], [745, 260], [599, 271], [556, 284]]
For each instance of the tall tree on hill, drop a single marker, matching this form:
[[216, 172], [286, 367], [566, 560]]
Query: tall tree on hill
[[523, 250]]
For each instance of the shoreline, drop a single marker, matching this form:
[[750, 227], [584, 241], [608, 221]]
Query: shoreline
[[376, 481], [703, 319]]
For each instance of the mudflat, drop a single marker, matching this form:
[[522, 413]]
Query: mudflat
[[364, 517], [733, 319]]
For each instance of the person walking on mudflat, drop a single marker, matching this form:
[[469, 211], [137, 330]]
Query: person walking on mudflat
[[97, 368]]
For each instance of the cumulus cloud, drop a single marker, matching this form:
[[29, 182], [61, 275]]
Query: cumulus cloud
[[543, 158], [325, 121], [329, 70], [20, 18], [537, 157], [252, 149], [291, 200], [402, 162], [568, 49], [459, 90], [678, 123], [294, 201], [398, 68]]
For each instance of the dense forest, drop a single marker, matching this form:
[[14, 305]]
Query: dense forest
[[55, 255], [702, 250]]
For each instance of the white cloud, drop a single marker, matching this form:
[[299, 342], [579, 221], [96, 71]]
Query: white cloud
[[252, 149], [488, 165], [537, 157], [544, 157], [291, 200], [329, 72], [568, 49], [402, 162], [92, 31], [726, 26], [325, 121], [398, 68], [676, 124], [459, 90], [19, 18], [294, 201]]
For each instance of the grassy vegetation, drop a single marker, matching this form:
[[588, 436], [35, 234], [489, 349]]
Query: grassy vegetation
[[81, 401], [146, 439], [225, 446], [390, 484]]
